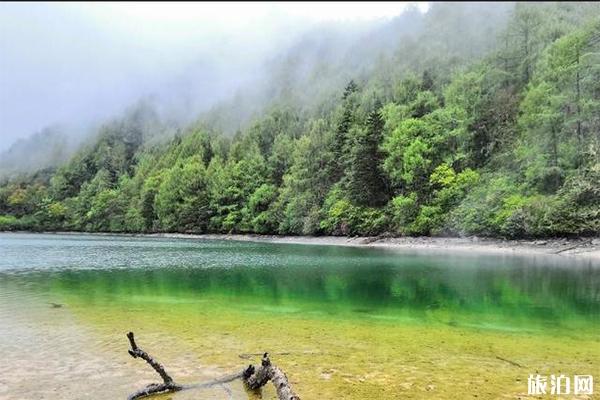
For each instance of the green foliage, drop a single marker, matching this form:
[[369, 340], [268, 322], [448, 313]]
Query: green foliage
[[404, 210], [231, 185], [307, 182], [478, 212], [10, 223], [559, 114], [365, 183], [343, 218], [182, 200], [459, 130], [407, 152], [261, 217]]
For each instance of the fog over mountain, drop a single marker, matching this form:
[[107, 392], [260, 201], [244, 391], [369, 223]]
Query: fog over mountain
[[66, 69], [465, 118]]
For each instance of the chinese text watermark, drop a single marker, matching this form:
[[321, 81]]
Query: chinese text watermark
[[560, 384]]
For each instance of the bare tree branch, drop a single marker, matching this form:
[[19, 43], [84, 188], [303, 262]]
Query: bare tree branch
[[253, 378], [167, 386]]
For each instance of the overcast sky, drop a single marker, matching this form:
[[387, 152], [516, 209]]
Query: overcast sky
[[80, 63]]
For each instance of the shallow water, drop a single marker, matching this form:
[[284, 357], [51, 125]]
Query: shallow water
[[342, 322]]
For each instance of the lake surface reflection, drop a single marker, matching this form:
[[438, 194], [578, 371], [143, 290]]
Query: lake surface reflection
[[48, 283]]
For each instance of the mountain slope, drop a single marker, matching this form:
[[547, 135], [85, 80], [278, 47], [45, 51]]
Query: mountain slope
[[470, 119]]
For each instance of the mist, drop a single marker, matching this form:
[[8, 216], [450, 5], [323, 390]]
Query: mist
[[74, 66]]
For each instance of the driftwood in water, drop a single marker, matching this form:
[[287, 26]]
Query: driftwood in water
[[167, 386], [253, 378], [269, 372]]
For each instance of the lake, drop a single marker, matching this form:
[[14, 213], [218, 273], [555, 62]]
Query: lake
[[342, 322]]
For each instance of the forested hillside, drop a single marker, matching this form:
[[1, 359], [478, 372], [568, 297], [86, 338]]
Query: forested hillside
[[49, 147], [475, 119]]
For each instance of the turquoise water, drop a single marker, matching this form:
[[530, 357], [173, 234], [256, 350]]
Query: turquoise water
[[553, 291], [58, 290]]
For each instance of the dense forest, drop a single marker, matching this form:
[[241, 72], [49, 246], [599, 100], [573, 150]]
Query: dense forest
[[471, 119]]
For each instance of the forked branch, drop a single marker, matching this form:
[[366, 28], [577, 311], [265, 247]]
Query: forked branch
[[253, 378], [167, 386]]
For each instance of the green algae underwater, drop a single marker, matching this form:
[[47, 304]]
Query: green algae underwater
[[342, 322]]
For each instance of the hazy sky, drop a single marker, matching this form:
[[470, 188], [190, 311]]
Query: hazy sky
[[81, 63]]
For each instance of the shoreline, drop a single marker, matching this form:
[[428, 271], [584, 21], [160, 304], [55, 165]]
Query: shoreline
[[582, 248], [585, 248]]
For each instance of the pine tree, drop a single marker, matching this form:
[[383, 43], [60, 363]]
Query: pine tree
[[339, 144], [366, 184]]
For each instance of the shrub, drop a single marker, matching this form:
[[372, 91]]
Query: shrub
[[403, 210]]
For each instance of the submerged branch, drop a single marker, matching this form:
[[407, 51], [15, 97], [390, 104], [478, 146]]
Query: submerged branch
[[137, 352], [516, 364], [153, 388], [253, 378], [167, 386], [268, 371]]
